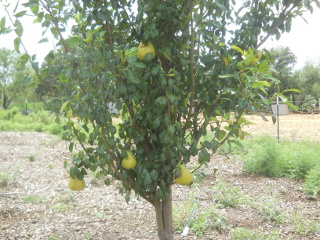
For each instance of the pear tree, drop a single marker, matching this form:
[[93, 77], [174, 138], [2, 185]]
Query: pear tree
[[176, 70]]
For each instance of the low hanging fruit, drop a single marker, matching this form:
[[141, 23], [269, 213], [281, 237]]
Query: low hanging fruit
[[129, 162], [184, 177], [144, 49], [76, 184]]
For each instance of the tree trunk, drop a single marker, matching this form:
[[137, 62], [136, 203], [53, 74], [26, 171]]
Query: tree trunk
[[163, 210]]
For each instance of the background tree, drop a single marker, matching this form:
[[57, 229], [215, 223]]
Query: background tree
[[308, 81], [192, 83], [283, 62], [14, 76]]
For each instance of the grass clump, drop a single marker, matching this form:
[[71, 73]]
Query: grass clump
[[33, 199], [241, 233], [227, 196], [208, 219], [4, 179]]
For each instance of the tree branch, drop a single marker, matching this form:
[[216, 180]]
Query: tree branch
[[278, 24], [192, 73]]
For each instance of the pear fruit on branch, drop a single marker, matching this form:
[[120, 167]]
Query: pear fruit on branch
[[182, 175], [143, 50], [76, 184], [129, 162]]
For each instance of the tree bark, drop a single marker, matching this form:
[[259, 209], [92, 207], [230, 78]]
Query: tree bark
[[163, 210]]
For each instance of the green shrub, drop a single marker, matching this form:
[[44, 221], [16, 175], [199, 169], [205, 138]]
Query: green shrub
[[7, 114], [266, 156], [263, 158], [302, 157], [312, 182]]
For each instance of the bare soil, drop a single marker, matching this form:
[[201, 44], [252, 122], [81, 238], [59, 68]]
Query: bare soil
[[37, 204]]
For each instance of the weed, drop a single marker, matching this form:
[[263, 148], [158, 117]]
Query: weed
[[61, 207], [240, 233], [180, 212], [271, 211], [209, 219], [303, 226], [226, 195], [65, 198], [33, 199], [32, 157], [54, 236], [4, 179]]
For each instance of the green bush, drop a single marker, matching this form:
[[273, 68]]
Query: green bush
[[263, 158], [9, 113], [266, 156], [312, 182], [42, 121]]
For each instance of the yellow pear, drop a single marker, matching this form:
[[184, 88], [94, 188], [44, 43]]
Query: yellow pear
[[129, 162], [185, 177], [144, 49], [75, 184]]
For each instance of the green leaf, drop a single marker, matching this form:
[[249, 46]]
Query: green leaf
[[146, 178], [292, 90], [63, 78], [227, 76], [140, 65], [82, 137], [69, 113], [18, 28], [274, 118], [16, 43], [91, 32], [264, 118], [161, 101], [73, 41], [272, 78], [74, 171], [35, 9], [65, 164], [237, 49], [242, 102], [64, 105], [20, 14], [260, 84], [3, 23], [291, 106], [43, 40], [221, 135], [15, 8], [155, 70], [204, 156], [154, 175], [131, 52], [71, 145]]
